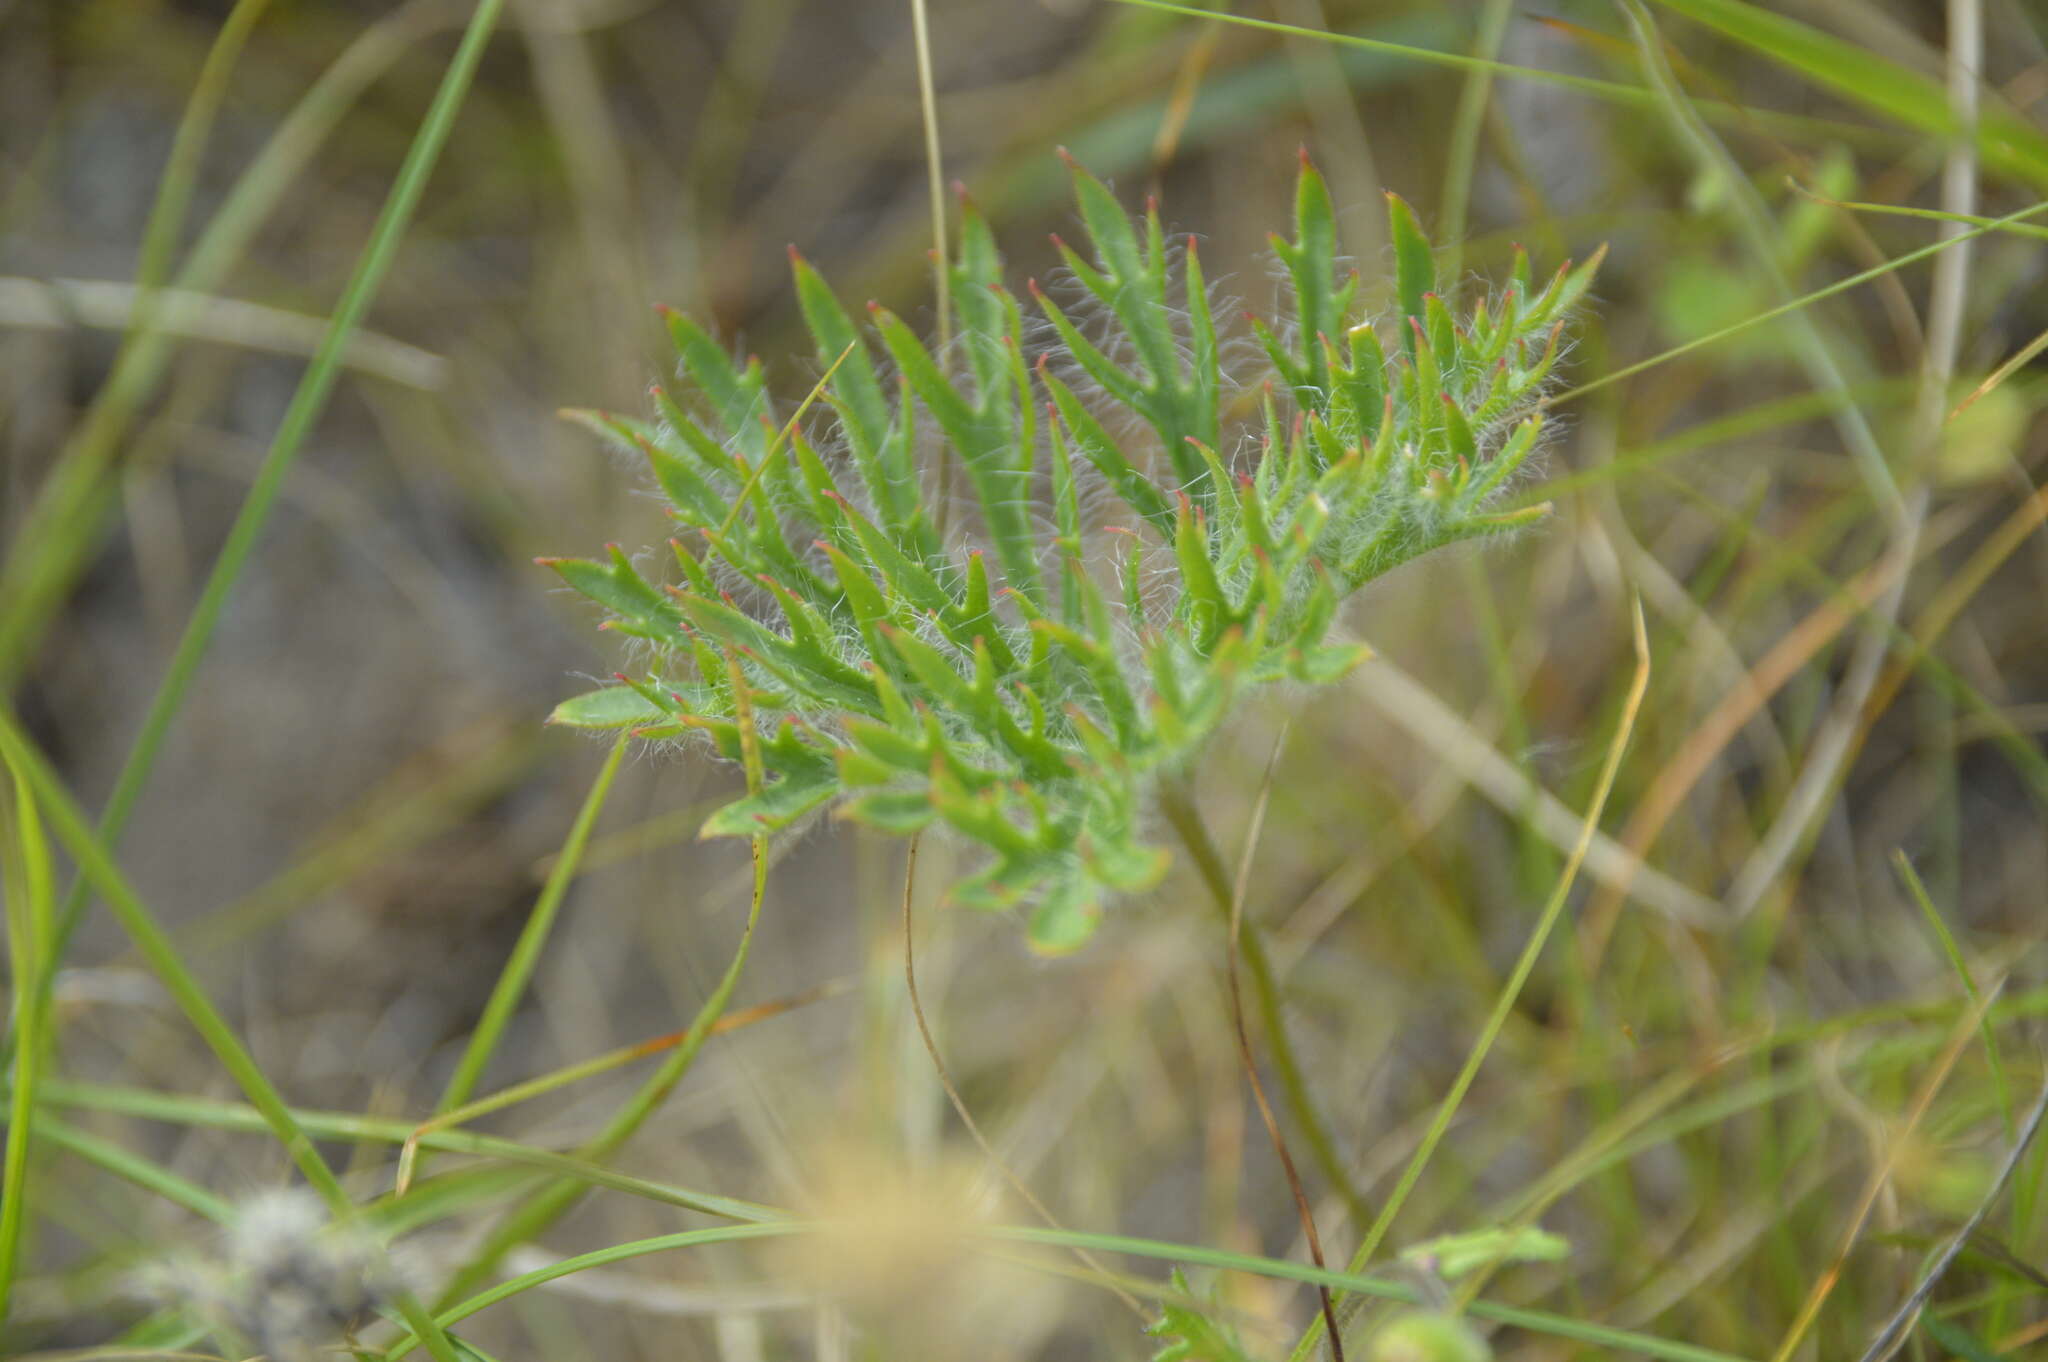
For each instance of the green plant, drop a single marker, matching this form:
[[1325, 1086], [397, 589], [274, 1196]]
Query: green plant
[[1192, 1334], [1028, 687]]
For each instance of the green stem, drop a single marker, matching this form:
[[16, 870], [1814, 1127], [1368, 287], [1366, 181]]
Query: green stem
[[518, 971], [1464, 149], [307, 404], [1511, 993], [48, 553], [26, 885], [181, 169], [551, 1202], [1180, 811], [33, 773]]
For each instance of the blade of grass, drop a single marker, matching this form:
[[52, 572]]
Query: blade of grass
[[591, 1068], [525, 957], [519, 967], [1901, 210], [1091, 1269], [2021, 358], [78, 477], [2006, 141], [935, 169], [638, 1248], [1463, 154], [1918, 891], [142, 1172], [307, 404], [781, 440], [552, 1202], [1177, 803], [1795, 304], [48, 552], [1827, 754], [111, 305], [1536, 1321], [1524, 967], [1825, 1284], [935, 189], [181, 169], [26, 884], [1233, 971], [95, 866], [177, 1109]]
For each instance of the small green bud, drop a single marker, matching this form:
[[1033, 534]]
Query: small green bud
[[1428, 1336]]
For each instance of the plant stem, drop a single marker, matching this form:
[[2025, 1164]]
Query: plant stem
[[550, 1203], [32, 771], [307, 404], [1177, 803]]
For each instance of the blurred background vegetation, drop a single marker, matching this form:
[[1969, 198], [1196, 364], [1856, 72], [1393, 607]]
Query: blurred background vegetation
[[1745, 1082]]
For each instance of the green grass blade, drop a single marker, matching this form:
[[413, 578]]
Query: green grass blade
[[2006, 142], [490, 1028], [181, 169], [548, 1205], [48, 553], [142, 1172], [1524, 967], [638, 1248], [98, 869], [352, 1127], [26, 883], [1463, 156], [1603, 89], [1536, 1321], [1918, 891], [308, 402], [1795, 304]]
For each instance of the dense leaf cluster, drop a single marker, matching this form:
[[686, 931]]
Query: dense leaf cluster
[[1027, 690]]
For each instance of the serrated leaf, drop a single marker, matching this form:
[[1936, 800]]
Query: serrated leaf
[[1065, 918], [1414, 261], [782, 803], [611, 707], [1452, 1256]]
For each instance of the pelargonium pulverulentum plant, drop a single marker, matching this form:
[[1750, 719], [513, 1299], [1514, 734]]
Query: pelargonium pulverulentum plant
[[1029, 688]]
